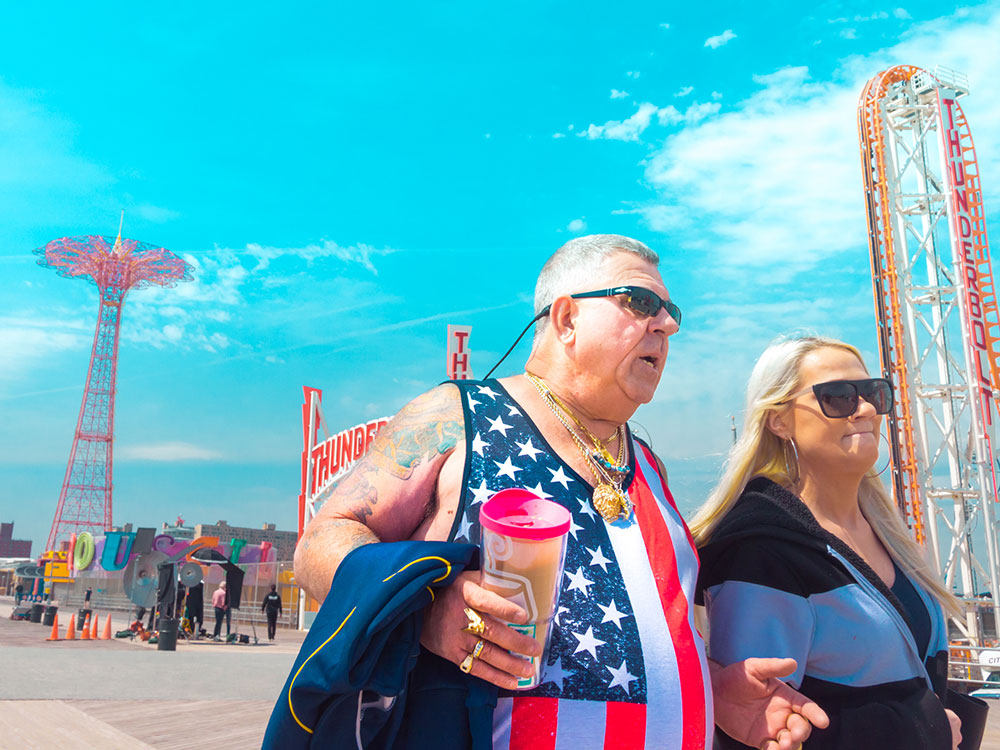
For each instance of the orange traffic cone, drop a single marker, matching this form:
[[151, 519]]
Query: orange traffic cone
[[86, 628], [55, 630], [71, 629], [93, 630], [106, 635]]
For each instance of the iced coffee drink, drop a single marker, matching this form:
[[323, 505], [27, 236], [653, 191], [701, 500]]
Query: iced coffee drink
[[524, 546]]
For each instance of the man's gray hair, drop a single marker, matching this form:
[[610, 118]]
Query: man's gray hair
[[573, 267]]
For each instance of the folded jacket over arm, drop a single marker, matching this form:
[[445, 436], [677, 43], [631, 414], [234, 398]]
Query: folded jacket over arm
[[354, 676]]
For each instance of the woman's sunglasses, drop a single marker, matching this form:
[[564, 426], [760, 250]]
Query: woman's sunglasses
[[838, 399], [638, 299]]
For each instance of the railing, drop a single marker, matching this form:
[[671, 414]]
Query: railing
[[965, 666]]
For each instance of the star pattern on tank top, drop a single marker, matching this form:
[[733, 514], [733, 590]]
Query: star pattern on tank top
[[595, 652]]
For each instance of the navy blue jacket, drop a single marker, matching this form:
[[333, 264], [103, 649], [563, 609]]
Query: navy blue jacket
[[775, 583], [361, 679]]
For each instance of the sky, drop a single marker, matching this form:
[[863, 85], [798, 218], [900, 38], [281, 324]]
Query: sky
[[347, 181]]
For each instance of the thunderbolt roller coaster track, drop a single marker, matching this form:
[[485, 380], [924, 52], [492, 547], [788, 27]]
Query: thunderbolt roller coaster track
[[938, 323]]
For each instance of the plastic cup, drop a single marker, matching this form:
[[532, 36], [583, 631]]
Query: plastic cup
[[524, 548]]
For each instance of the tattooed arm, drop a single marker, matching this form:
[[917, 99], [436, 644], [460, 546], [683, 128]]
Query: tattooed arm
[[388, 493]]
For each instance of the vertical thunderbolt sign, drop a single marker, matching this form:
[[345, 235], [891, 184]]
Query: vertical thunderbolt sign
[[458, 353]]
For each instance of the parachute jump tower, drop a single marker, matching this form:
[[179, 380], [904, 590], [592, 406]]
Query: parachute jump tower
[[115, 266], [938, 326]]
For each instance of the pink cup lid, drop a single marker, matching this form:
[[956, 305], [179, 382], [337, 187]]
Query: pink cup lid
[[524, 515]]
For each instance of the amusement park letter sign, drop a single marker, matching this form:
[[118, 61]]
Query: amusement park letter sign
[[325, 461], [971, 253]]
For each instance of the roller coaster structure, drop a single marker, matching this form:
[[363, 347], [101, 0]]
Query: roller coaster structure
[[938, 325]]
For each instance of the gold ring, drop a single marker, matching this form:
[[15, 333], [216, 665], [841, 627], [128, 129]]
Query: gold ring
[[477, 625], [466, 665]]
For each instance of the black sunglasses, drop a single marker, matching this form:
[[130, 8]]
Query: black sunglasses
[[838, 399], [638, 299]]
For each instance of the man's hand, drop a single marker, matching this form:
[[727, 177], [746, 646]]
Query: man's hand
[[443, 632], [753, 706]]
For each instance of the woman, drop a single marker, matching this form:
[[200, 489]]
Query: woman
[[804, 555]]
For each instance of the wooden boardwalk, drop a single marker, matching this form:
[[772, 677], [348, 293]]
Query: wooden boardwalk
[[133, 725], [124, 695], [90, 694]]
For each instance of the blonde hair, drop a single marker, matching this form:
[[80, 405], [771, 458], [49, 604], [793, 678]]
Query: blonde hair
[[759, 452]]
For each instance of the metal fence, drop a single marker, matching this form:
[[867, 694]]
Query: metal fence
[[108, 594]]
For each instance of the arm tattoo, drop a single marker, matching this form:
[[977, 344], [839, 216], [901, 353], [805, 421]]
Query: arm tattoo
[[430, 425]]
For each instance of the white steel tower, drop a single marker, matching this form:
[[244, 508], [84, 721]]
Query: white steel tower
[[938, 329]]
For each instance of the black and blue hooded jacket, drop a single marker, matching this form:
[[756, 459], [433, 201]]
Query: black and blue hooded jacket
[[361, 679], [776, 584]]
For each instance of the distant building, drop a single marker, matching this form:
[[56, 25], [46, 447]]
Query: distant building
[[10, 547], [178, 530], [283, 542]]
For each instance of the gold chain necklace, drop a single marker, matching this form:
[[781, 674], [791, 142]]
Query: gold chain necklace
[[608, 498], [600, 453]]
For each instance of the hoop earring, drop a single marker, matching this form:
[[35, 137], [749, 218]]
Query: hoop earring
[[888, 459], [788, 468]]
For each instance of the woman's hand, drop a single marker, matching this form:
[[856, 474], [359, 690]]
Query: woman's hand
[[956, 728], [444, 635]]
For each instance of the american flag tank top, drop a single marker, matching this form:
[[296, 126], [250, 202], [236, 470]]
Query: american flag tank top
[[626, 667]]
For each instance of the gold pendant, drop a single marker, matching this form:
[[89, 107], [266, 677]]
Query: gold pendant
[[609, 502]]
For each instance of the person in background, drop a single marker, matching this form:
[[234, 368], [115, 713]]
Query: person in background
[[86, 597], [804, 555], [220, 600], [179, 600], [271, 606], [18, 594]]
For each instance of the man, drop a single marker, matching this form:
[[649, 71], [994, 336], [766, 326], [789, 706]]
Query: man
[[271, 606], [220, 600], [626, 664], [18, 594]]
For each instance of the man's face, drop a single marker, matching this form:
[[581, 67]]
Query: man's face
[[623, 352]]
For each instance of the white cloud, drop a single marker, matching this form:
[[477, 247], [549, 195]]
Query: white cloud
[[360, 253], [664, 25], [684, 91], [577, 225], [558, 135], [717, 41], [185, 316], [632, 128], [616, 94], [716, 95], [633, 74], [902, 14], [849, 33], [28, 342], [623, 130], [696, 112], [166, 451], [775, 181]]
